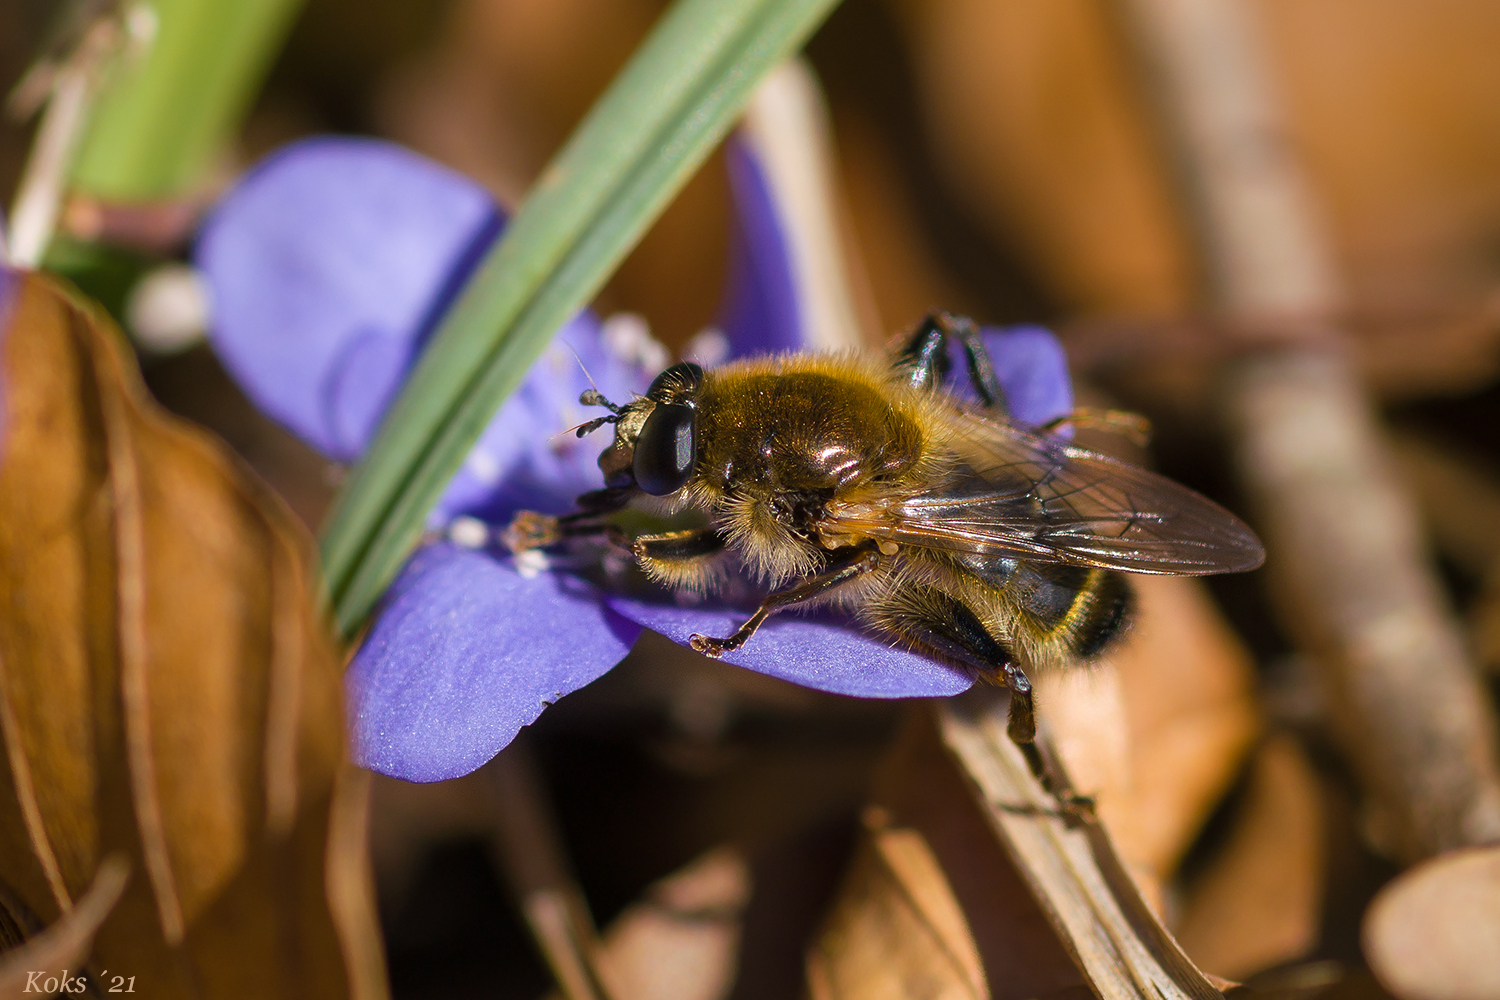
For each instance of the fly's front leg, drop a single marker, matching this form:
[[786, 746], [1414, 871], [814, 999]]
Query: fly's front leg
[[925, 357], [925, 354], [532, 530], [943, 626], [846, 565]]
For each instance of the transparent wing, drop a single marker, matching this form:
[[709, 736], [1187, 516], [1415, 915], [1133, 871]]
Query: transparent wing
[[1020, 494]]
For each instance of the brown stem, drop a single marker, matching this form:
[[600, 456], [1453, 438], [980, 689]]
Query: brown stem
[[531, 853]]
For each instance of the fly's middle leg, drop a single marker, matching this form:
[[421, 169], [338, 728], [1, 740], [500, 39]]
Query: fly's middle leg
[[845, 565]]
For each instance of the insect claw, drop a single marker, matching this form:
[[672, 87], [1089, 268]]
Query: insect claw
[[530, 530], [710, 647], [1073, 800], [1075, 808]]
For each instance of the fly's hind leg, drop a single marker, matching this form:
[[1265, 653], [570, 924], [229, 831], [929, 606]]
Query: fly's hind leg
[[1132, 426], [943, 626], [925, 357]]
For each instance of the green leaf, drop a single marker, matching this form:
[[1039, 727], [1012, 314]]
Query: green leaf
[[645, 137], [155, 131]]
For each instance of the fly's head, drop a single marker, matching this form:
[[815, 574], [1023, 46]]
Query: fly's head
[[656, 445]]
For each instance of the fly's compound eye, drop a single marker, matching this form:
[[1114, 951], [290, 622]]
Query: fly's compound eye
[[667, 449]]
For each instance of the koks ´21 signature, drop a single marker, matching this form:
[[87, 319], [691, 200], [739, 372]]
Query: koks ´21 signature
[[41, 982]]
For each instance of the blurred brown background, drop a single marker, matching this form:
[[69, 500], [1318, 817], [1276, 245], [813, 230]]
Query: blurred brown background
[[1000, 158]]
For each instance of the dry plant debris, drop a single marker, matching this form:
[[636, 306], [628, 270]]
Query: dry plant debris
[[971, 884], [1460, 498], [1434, 933], [897, 930], [681, 940], [58, 953], [1258, 903], [1050, 144], [1160, 729], [168, 692], [1353, 581]]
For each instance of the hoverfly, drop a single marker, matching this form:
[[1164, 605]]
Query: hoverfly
[[856, 481]]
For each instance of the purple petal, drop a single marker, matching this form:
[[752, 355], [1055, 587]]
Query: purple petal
[[327, 265], [1032, 368], [760, 314], [465, 653], [815, 651]]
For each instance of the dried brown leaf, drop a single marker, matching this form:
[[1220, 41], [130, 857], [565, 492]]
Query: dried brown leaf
[[920, 793], [57, 953], [897, 930], [681, 940], [1434, 933], [969, 859], [167, 689], [1036, 122], [1189, 688], [1259, 902]]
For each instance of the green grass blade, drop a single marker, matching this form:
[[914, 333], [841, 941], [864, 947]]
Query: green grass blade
[[155, 132], [657, 123], [658, 82]]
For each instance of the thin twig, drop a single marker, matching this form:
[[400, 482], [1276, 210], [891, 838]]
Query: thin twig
[[39, 196], [1070, 867], [530, 850], [786, 122]]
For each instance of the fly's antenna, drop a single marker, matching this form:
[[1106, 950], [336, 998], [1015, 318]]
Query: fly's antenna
[[594, 425], [583, 368], [593, 397]]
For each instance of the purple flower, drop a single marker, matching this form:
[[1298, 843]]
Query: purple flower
[[329, 265]]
